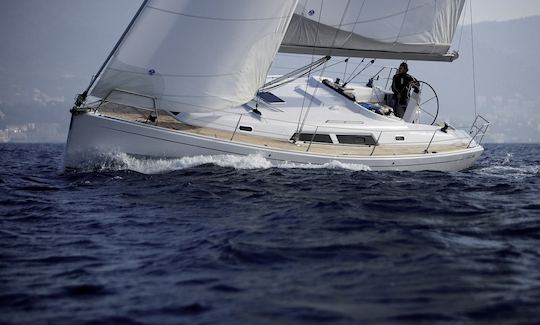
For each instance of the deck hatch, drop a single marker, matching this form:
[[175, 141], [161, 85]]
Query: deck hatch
[[269, 97]]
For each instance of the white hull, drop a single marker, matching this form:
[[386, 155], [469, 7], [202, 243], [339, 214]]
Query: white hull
[[91, 135]]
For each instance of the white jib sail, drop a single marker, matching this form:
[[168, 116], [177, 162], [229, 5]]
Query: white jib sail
[[394, 29], [194, 55]]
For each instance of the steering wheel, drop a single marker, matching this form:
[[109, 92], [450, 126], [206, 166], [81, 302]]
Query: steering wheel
[[429, 103]]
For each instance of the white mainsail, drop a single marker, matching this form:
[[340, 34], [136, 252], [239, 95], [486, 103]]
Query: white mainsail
[[193, 55], [392, 29]]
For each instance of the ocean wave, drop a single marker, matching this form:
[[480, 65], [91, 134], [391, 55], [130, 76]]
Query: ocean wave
[[512, 172], [121, 161], [267, 244]]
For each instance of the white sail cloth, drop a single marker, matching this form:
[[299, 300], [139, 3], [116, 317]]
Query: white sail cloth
[[194, 55], [393, 29]]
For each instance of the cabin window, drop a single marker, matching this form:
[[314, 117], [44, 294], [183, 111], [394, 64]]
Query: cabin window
[[246, 128], [355, 139], [400, 138], [324, 138], [269, 97]]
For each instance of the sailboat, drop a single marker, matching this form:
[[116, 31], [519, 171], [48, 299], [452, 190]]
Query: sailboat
[[190, 78]]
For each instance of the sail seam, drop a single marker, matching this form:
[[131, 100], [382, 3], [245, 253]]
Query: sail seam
[[382, 17], [215, 18], [177, 75], [402, 24]]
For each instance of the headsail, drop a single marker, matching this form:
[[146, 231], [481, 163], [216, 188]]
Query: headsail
[[391, 29], [196, 54]]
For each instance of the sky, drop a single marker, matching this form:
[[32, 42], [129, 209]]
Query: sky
[[501, 10]]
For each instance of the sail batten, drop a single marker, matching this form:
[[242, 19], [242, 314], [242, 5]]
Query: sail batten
[[413, 29]]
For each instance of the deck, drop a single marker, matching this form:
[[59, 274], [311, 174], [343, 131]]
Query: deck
[[166, 120]]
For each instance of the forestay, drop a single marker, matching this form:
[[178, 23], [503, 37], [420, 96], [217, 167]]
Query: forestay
[[392, 29], [194, 55]]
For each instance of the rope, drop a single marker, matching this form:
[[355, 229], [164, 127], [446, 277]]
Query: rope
[[359, 72], [331, 65], [473, 61], [352, 73]]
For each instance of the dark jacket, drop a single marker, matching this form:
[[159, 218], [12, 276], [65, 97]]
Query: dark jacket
[[400, 84]]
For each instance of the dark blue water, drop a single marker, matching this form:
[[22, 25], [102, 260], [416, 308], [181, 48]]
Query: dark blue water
[[239, 242]]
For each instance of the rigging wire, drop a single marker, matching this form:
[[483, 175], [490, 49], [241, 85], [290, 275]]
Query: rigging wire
[[346, 64], [462, 27], [314, 67], [322, 70], [82, 97], [293, 75], [350, 35], [336, 72], [473, 60], [370, 63], [359, 64], [329, 66], [308, 76]]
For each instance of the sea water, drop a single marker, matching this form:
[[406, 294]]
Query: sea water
[[238, 240]]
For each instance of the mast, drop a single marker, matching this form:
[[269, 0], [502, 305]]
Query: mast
[[82, 97]]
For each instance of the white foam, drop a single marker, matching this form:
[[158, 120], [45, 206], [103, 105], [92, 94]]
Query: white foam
[[505, 171], [122, 161], [507, 168], [507, 159], [334, 164]]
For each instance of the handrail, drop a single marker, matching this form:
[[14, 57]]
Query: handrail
[[478, 130], [153, 98], [81, 98], [380, 133]]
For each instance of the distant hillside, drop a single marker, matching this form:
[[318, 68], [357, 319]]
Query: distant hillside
[[507, 79], [507, 55]]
